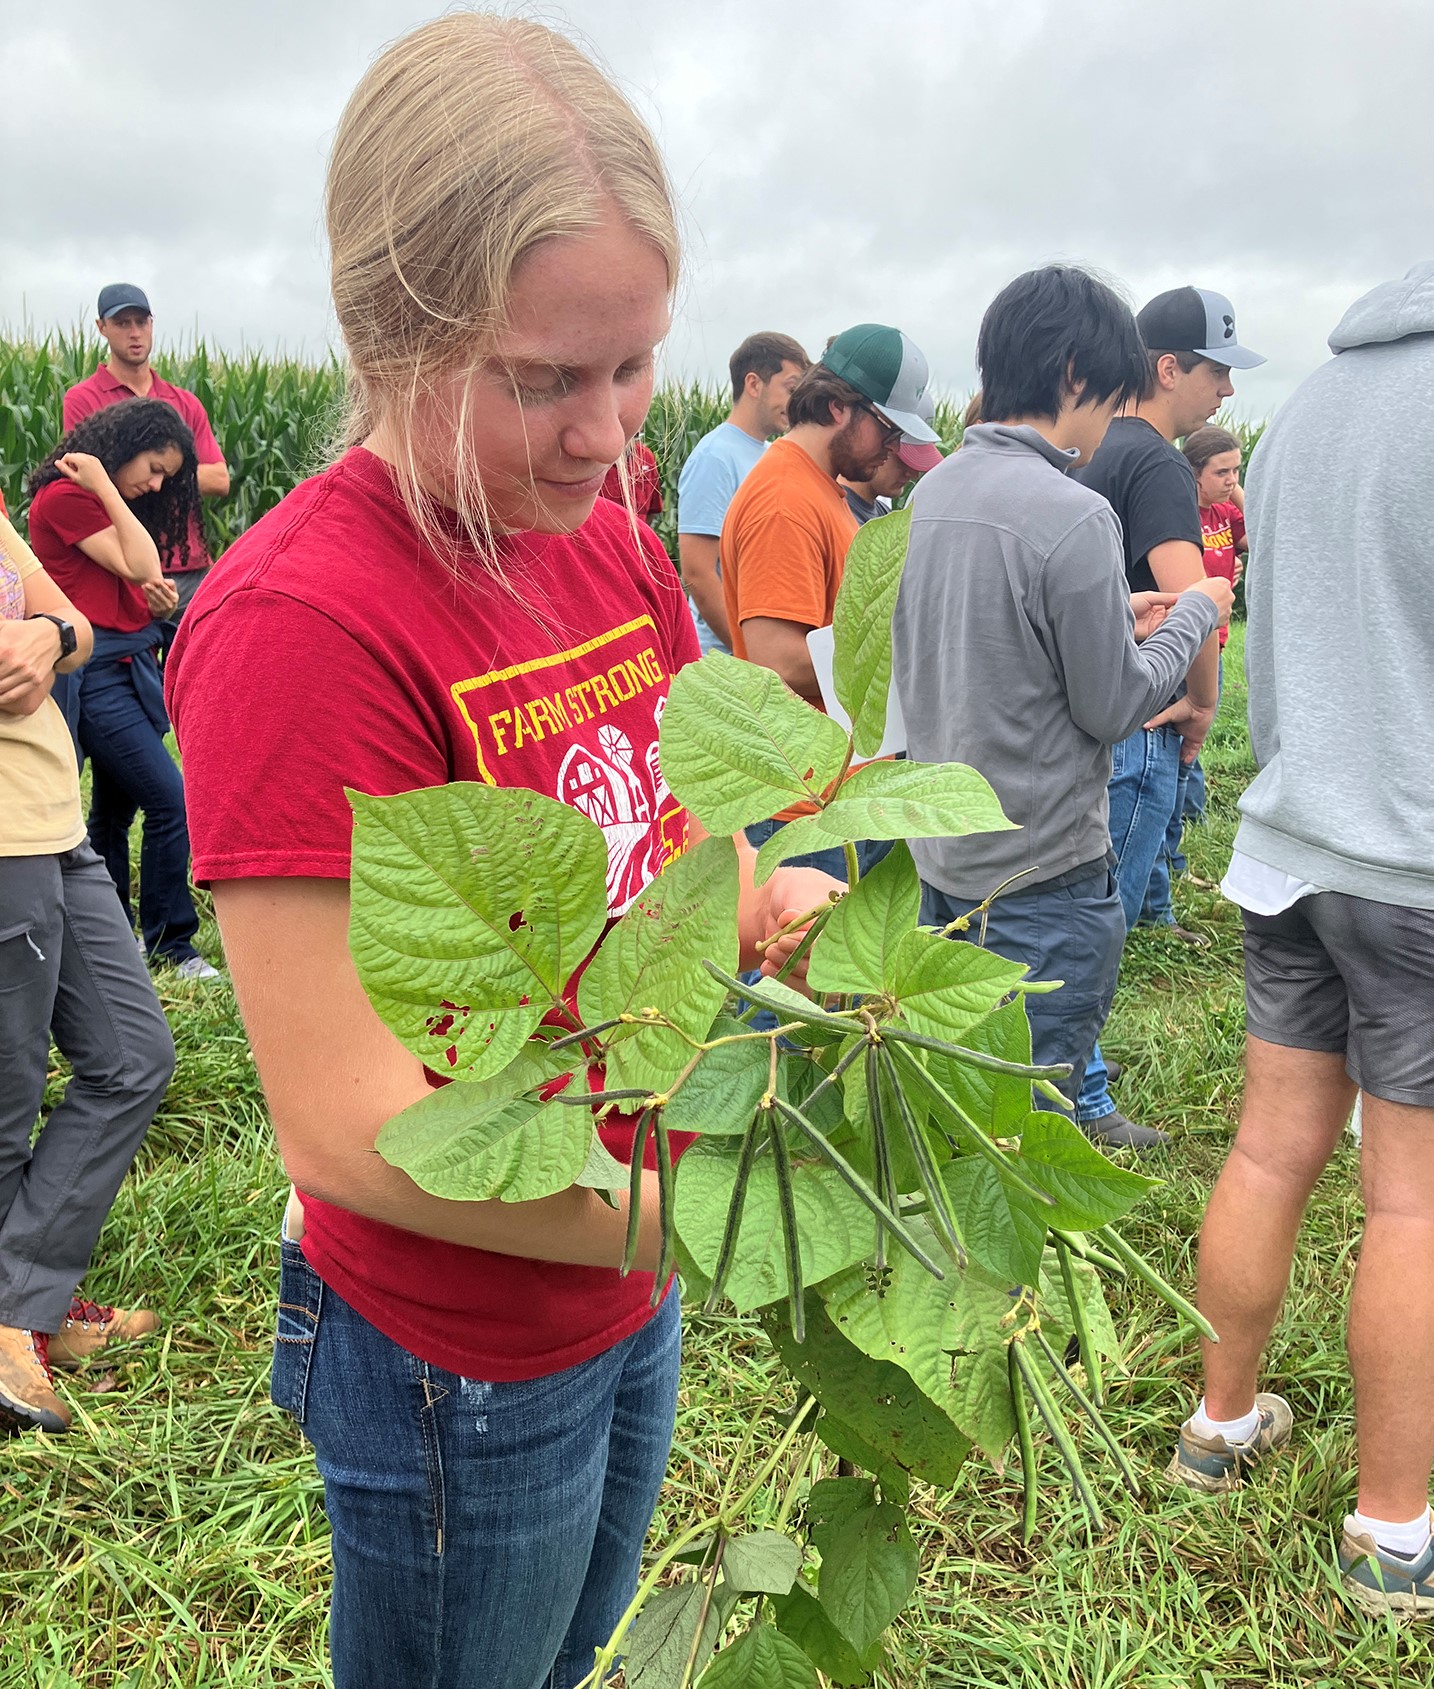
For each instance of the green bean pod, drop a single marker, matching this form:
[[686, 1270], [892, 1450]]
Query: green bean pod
[[786, 1203], [736, 1204]]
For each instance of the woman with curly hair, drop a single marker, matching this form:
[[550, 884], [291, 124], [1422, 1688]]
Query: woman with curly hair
[[117, 487]]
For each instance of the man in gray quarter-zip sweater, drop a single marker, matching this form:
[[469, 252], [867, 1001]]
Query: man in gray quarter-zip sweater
[[1334, 872], [1019, 649]]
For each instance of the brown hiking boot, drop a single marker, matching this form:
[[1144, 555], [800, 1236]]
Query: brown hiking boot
[[27, 1387], [90, 1326]]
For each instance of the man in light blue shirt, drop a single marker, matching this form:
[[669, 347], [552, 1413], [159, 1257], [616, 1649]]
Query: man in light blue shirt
[[765, 368]]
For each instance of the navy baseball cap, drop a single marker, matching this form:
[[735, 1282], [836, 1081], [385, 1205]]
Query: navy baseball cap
[[122, 296], [1192, 319]]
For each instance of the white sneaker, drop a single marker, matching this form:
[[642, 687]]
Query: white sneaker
[[195, 967]]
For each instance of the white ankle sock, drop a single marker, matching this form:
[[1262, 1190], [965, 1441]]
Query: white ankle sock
[[1409, 1540], [1232, 1430]]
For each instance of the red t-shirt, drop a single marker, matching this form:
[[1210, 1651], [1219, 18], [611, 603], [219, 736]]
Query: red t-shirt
[[102, 388], [330, 647], [1222, 528], [643, 477], [61, 515]]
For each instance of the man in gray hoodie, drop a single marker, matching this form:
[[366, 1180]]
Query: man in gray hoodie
[[1016, 650], [1334, 871]]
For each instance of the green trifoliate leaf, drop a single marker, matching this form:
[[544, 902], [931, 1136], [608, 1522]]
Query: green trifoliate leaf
[[660, 1642], [719, 1095], [892, 800], [653, 958], [946, 1334], [868, 1573], [739, 746], [471, 907], [1089, 1189], [471, 1142], [875, 1401], [855, 948], [602, 1171], [861, 625], [835, 1226], [1004, 1229], [947, 986], [761, 1563], [760, 1658], [997, 1102], [800, 1616]]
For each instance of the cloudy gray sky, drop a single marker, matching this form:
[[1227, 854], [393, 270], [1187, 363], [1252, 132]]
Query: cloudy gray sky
[[836, 161]]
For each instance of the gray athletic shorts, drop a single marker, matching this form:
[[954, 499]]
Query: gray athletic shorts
[[1352, 977]]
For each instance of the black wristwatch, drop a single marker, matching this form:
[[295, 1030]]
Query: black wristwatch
[[68, 643]]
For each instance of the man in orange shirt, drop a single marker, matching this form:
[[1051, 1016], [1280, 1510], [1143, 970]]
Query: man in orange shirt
[[787, 529]]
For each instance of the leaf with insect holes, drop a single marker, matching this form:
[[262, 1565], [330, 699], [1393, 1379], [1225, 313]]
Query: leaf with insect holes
[[471, 907]]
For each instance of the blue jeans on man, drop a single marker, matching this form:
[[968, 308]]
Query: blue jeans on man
[[1144, 779], [1071, 928]]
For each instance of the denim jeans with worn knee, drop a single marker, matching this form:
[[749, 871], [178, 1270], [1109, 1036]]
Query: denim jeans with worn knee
[[483, 1533], [1144, 776], [1071, 929]]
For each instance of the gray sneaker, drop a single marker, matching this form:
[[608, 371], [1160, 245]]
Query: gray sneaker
[[1114, 1131], [195, 967], [1380, 1582], [1213, 1466]]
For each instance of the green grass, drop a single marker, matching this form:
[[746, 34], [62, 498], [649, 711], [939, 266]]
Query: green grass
[[176, 1536]]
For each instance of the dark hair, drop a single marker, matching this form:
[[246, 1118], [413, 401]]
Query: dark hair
[[1201, 444], [1185, 360], [1051, 330], [815, 394], [117, 433], [763, 355]]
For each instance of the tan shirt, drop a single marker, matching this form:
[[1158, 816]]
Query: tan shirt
[[39, 777]]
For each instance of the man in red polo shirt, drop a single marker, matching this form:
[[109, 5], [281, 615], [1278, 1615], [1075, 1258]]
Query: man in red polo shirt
[[127, 325]]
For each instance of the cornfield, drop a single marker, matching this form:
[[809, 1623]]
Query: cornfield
[[277, 421]]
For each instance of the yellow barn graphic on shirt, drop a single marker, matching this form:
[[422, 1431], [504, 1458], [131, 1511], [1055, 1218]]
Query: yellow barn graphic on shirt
[[583, 723]]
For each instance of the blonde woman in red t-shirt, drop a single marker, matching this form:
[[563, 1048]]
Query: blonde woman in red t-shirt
[[490, 1402]]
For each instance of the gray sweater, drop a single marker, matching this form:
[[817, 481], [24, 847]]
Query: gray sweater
[[1340, 650], [1014, 651]]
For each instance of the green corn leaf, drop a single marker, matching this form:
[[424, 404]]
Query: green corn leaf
[[471, 907], [873, 1401], [800, 1617], [868, 1572], [761, 1563], [891, 800], [835, 1226], [760, 1658], [738, 745], [471, 1142], [653, 958], [1090, 1189], [861, 625], [946, 986], [854, 950]]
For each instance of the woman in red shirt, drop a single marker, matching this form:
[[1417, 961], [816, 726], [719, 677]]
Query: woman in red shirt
[[490, 1401], [121, 483]]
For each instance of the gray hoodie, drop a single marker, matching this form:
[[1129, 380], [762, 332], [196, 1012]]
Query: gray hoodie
[[1340, 650]]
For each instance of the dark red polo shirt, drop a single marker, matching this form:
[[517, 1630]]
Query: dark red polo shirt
[[103, 388]]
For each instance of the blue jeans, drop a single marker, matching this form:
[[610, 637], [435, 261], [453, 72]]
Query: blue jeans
[[1158, 909], [134, 771], [482, 1533], [1072, 932], [1144, 778]]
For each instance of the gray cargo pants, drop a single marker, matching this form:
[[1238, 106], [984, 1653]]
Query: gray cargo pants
[[69, 969]]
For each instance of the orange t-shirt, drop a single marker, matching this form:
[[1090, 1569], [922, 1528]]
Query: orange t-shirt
[[784, 543]]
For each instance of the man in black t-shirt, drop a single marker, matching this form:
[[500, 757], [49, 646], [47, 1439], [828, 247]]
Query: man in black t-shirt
[[1191, 344]]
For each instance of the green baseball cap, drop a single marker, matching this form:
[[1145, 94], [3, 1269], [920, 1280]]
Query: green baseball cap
[[889, 369]]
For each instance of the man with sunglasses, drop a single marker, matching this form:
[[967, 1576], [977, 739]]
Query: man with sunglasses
[[787, 529]]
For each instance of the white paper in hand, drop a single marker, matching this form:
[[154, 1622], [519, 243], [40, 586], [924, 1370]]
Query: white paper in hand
[[821, 643]]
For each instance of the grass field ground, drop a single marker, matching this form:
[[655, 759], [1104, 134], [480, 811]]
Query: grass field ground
[[176, 1536]]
